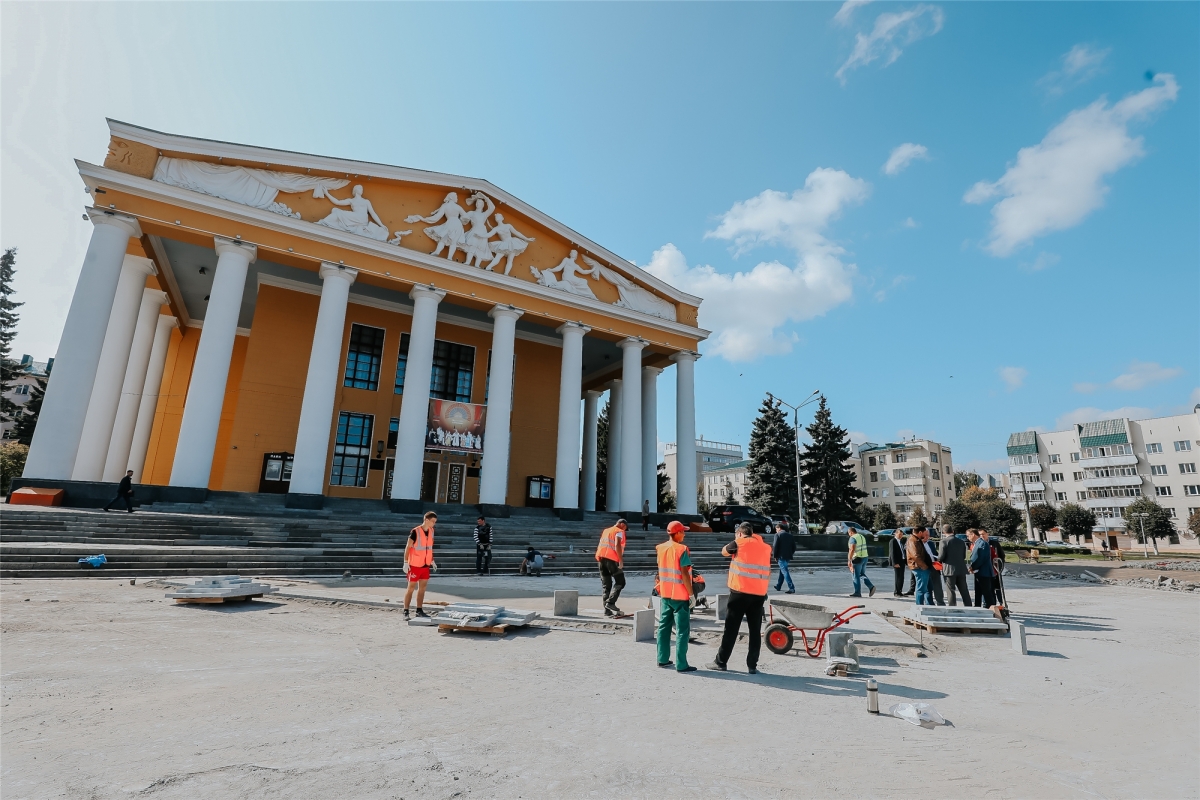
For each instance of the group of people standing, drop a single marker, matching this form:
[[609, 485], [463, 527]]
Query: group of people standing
[[955, 558]]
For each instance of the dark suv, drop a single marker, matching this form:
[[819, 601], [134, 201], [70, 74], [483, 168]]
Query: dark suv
[[726, 518]]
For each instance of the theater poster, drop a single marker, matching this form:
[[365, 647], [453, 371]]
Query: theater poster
[[455, 426]]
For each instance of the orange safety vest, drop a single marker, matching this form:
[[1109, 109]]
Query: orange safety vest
[[670, 574], [608, 545], [750, 570], [421, 554]]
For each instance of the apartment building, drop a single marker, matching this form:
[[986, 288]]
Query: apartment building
[[710, 455], [727, 481], [20, 388], [1107, 465], [904, 475]]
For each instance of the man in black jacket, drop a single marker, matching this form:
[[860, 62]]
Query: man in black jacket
[[124, 492], [899, 559], [953, 554], [785, 548], [483, 547]]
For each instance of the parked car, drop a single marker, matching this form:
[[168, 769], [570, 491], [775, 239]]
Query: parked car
[[726, 518], [782, 519], [843, 528]]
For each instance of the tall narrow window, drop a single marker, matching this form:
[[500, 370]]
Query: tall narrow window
[[402, 363], [453, 365], [364, 357], [352, 450]]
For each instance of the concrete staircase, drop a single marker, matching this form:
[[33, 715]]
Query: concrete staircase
[[256, 535]]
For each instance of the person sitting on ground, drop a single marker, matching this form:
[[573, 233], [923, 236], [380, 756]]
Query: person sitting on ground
[[532, 564]]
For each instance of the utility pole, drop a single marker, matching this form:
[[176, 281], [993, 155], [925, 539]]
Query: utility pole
[[1141, 515], [1028, 518], [796, 424]]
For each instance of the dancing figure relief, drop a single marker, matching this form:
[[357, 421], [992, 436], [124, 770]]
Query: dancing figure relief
[[450, 235], [512, 243], [573, 280], [476, 247]]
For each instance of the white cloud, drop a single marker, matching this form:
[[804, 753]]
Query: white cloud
[[1089, 414], [1079, 64], [745, 309], [898, 281], [1043, 261], [1086, 388], [842, 17], [1055, 184], [1013, 377], [904, 155], [910, 223], [1140, 375], [892, 31]]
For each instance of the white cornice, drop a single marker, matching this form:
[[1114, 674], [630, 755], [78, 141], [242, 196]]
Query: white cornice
[[94, 176], [286, 158]]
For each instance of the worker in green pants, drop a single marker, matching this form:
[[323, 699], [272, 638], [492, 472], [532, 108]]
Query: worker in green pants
[[675, 595]]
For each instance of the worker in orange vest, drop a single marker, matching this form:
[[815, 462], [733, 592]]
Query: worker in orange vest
[[610, 555], [674, 598], [418, 559], [749, 578]]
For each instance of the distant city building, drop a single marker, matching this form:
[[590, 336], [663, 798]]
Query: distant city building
[[904, 475], [1106, 465], [724, 482], [20, 387], [709, 456]]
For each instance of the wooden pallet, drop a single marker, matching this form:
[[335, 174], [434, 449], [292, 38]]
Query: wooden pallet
[[951, 628], [240, 599], [496, 630]]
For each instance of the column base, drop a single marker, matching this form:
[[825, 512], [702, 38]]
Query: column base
[[569, 514], [313, 502], [498, 510]]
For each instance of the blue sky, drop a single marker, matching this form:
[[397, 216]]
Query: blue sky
[[1035, 237]]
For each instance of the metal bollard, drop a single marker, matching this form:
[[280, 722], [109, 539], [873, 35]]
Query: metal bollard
[[872, 696]]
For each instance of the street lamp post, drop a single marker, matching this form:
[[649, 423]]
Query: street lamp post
[[1141, 515], [796, 424]]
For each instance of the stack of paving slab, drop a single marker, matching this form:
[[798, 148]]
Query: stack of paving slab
[[219, 589], [477, 615], [962, 619]]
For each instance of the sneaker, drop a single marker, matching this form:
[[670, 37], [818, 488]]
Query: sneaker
[[406, 614], [616, 611], [790, 591], [421, 613], [608, 612], [897, 594], [687, 669], [854, 595], [752, 670], [716, 666], [668, 664], [872, 593]]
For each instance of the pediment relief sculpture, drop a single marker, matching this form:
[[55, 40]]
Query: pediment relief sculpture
[[573, 280], [468, 230], [632, 296]]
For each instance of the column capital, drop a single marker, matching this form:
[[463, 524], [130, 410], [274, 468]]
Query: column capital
[[594, 392], [632, 341], [167, 321], [136, 264], [420, 291], [572, 326], [685, 355], [154, 294], [225, 245], [504, 311], [329, 269], [102, 216], [652, 370]]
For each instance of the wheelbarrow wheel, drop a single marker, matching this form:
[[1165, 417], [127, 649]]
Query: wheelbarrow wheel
[[779, 638]]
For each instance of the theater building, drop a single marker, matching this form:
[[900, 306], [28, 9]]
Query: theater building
[[256, 320]]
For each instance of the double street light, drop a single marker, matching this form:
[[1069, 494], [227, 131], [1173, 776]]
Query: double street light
[[1141, 515], [796, 425]]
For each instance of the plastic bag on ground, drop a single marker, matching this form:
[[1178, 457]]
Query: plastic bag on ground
[[917, 713], [94, 561]]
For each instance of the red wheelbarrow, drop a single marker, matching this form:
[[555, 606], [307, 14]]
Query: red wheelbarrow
[[803, 617]]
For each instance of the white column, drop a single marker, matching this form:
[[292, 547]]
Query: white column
[[631, 423], [591, 411], [320, 386], [117, 458], [685, 430], [110, 372], [650, 436], [210, 370], [414, 404], [493, 473], [570, 386], [149, 402], [64, 407], [612, 486]]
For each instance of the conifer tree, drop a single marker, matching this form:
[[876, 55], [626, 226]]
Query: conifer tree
[[666, 495], [27, 416], [8, 329], [771, 476], [602, 458], [829, 490]]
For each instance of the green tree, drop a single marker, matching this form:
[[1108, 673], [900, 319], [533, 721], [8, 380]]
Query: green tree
[[917, 517], [1044, 517], [771, 475], [963, 480], [27, 417], [666, 497], [1157, 524], [1075, 520], [960, 516], [8, 329], [999, 519], [884, 518], [602, 458], [829, 490], [865, 515], [12, 463], [1193, 522]]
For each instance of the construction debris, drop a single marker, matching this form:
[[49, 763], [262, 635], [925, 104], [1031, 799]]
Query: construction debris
[[221, 589], [481, 618]]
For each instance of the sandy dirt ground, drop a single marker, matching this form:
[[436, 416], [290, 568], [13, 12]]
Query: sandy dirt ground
[[111, 691]]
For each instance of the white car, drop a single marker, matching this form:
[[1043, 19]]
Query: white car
[[843, 528]]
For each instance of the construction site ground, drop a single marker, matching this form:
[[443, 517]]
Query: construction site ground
[[113, 691]]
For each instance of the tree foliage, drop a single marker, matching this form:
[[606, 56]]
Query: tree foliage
[[917, 518], [1075, 520], [1193, 522], [8, 329], [964, 480], [666, 497], [999, 519], [602, 458], [12, 463], [884, 518], [1044, 517], [1157, 523], [977, 495], [27, 416], [829, 490], [960, 516], [771, 475], [865, 515]]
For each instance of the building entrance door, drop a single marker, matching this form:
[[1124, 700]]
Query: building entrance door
[[429, 481]]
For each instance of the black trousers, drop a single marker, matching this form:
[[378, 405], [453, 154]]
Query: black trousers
[[613, 578], [483, 558], [957, 582], [899, 578], [748, 607], [985, 594], [935, 586], [127, 498], [645, 522]]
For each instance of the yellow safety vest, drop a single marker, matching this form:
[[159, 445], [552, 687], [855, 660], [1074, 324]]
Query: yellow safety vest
[[860, 545]]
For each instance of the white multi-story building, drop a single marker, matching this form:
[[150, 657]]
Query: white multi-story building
[[20, 388], [725, 482], [1106, 465], [905, 475], [709, 456]]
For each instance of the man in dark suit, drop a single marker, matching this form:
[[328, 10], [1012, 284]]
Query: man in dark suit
[[953, 554], [899, 559], [124, 492], [981, 567]]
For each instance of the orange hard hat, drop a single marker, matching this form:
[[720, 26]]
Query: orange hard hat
[[675, 526]]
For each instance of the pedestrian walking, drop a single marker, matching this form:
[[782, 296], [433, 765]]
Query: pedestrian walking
[[980, 565], [783, 550], [674, 598], [749, 578], [898, 558], [483, 546], [952, 552], [921, 564], [645, 515], [610, 556], [124, 493], [418, 560], [856, 560]]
